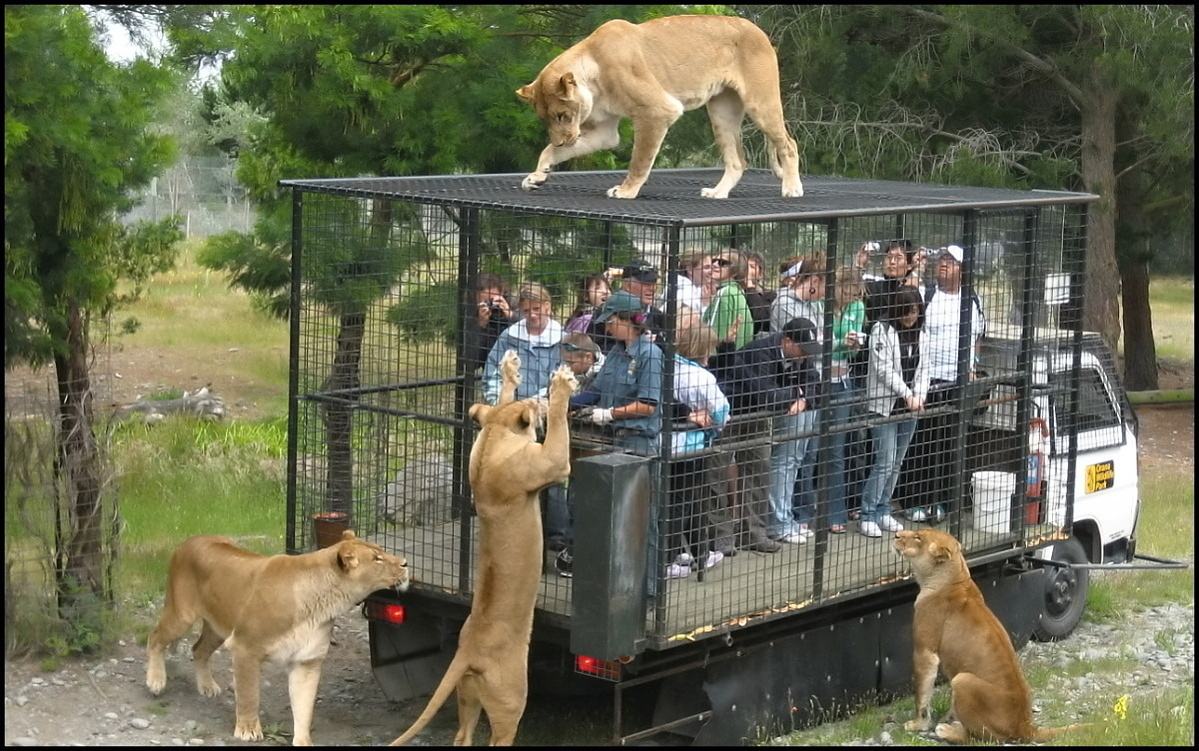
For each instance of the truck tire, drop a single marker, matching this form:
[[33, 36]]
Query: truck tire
[[1065, 593]]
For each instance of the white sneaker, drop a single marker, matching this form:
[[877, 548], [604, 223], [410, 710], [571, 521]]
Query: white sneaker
[[675, 571], [889, 524], [918, 514], [714, 557], [806, 533], [870, 529], [794, 538], [683, 559]]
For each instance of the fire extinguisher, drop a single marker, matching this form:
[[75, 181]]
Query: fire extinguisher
[[1038, 434]]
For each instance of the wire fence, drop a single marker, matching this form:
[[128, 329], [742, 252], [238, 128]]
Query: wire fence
[[203, 191]]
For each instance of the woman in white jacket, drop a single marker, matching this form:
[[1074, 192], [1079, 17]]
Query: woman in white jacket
[[896, 385]]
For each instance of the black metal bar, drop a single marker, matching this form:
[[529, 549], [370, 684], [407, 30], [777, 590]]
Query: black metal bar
[[661, 501], [451, 422], [823, 452], [1158, 564], [608, 236], [1024, 356], [293, 368], [469, 243], [965, 366], [387, 388]]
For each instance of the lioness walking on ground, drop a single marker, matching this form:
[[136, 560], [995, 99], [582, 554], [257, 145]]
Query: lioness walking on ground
[[652, 73], [954, 630], [278, 607], [508, 468]]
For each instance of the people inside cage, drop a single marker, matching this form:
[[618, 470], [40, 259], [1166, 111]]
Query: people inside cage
[[843, 396], [493, 313], [640, 280], [772, 381], [593, 291], [584, 359], [896, 387], [693, 287], [925, 483], [536, 338], [758, 297], [689, 514], [897, 268]]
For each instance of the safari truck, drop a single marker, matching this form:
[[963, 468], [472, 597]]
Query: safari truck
[[1036, 458]]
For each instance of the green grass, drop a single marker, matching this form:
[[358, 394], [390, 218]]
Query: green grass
[[184, 477], [1173, 304]]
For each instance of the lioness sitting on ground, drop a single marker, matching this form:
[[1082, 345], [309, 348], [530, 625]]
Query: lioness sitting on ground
[[279, 607], [955, 630], [652, 73], [508, 468]]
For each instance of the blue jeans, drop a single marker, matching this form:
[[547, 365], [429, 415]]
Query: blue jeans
[[785, 461], [837, 480], [891, 442]]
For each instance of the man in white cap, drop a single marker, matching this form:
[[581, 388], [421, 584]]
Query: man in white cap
[[932, 445]]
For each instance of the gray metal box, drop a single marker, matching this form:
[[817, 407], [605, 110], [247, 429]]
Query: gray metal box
[[611, 497]]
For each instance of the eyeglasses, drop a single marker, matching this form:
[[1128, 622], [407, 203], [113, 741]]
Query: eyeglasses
[[569, 347], [721, 262]]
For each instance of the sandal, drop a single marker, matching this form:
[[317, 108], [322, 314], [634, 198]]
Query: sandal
[[837, 529]]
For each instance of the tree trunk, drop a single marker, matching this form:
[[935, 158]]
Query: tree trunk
[[1140, 352], [77, 467], [1101, 309], [339, 415]]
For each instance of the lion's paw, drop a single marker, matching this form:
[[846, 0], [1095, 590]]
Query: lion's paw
[[793, 191], [714, 193], [564, 377], [248, 731], [533, 181], [208, 687], [510, 367], [156, 680], [620, 191], [916, 726]]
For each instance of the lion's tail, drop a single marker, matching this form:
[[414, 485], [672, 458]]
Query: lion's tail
[[1048, 734], [449, 682]]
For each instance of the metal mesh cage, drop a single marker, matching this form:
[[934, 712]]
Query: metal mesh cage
[[403, 286]]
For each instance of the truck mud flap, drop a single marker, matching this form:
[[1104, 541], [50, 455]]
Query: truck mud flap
[[762, 691], [409, 660]]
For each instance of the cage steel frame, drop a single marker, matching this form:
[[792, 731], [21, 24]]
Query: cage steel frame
[[381, 375]]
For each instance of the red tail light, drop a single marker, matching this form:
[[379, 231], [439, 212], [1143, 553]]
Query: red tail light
[[606, 669], [388, 612]]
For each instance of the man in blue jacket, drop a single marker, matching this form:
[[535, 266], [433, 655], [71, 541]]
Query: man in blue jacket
[[770, 383]]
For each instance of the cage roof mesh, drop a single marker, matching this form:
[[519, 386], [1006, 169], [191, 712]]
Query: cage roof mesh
[[672, 196]]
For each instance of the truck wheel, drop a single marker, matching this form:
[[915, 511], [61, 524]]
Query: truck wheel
[[1065, 593]]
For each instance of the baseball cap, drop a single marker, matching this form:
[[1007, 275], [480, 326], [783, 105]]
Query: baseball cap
[[954, 251], [798, 269], [803, 332], [640, 271], [621, 302], [577, 342]]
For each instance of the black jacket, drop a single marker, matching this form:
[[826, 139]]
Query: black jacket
[[758, 380]]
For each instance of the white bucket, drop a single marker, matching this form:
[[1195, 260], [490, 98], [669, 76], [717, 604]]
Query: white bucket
[[993, 501]]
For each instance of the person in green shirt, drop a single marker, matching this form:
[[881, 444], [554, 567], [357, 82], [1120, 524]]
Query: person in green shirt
[[849, 317], [728, 313]]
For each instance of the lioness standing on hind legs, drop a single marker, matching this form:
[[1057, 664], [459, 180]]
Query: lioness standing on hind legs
[[652, 73], [954, 630], [508, 468]]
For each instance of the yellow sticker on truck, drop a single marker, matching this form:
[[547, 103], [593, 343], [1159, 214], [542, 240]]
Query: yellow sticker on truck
[[1101, 476]]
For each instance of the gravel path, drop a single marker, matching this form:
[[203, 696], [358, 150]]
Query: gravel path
[[104, 702]]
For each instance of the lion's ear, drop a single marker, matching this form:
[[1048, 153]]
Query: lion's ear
[[566, 84], [346, 559], [479, 412], [938, 552], [528, 416], [525, 92], [348, 535]]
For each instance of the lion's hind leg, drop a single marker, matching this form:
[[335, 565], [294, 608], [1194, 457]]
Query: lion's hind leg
[[766, 110], [504, 702], [209, 642], [726, 112], [469, 709], [982, 710], [172, 625]]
